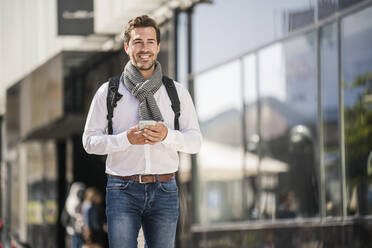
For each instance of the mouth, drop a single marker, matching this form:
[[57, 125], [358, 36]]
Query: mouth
[[144, 57]]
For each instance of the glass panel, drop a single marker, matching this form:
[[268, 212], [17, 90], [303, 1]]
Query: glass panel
[[347, 3], [251, 195], [239, 27], [357, 97], [326, 8], [329, 100], [218, 101], [184, 176], [288, 123]]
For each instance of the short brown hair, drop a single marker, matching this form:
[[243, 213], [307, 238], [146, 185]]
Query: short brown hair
[[140, 22]]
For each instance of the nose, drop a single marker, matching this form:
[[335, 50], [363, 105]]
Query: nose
[[144, 47]]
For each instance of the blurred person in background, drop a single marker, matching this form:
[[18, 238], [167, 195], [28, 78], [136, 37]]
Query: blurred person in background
[[285, 237], [72, 217], [141, 188], [287, 207], [93, 230]]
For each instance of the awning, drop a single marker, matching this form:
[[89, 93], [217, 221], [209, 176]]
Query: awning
[[51, 102], [223, 162]]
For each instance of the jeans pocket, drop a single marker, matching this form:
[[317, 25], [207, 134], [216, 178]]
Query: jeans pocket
[[117, 184], [169, 187]]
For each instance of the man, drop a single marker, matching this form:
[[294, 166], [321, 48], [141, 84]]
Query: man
[[141, 188]]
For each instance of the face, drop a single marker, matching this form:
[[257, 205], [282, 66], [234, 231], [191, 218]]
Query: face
[[97, 199], [143, 48]]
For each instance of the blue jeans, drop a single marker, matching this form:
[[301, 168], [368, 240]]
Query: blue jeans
[[76, 241], [130, 205]]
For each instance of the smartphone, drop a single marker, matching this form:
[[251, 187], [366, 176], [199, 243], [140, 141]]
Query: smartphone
[[143, 124]]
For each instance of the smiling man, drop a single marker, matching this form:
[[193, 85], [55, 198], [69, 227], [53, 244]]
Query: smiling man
[[143, 48], [141, 188]]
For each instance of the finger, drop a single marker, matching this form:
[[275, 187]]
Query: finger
[[142, 141], [138, 140], [151, 138], [158, 126], [152, 128], [155, 137], [138, 133], [150, 142], [149, 133], [134, 128]]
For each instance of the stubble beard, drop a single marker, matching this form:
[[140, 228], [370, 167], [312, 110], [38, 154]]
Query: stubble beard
[[141, 66]]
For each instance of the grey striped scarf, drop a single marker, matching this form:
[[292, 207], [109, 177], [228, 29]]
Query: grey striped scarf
[[144, 90]]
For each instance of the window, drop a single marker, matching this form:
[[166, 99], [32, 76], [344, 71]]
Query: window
[[251, 158], [326, 8], [330, 110], [288, 129], [356, 31], [245, 26], [220, 161]]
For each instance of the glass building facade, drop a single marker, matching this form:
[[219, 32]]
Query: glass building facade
[[287, 152]]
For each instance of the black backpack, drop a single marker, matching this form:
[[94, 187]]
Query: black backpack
[[113, 96]]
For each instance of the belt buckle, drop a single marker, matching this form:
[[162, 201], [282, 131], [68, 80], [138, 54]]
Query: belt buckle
[[140, 179]]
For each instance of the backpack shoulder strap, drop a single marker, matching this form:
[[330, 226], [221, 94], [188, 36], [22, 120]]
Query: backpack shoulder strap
[[172, 93], [112, 97]]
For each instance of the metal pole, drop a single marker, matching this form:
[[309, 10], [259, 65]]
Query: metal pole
[[260, 142], [194, 169], [341, 131], [7, 215], [322, 195], [244, 136]]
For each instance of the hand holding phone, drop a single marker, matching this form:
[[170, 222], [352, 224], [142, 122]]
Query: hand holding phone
[[144, 124]]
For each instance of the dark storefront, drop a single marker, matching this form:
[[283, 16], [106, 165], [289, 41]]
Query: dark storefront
[[45, 118]]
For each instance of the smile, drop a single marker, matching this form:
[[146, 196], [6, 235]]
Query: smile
[[144, 56]]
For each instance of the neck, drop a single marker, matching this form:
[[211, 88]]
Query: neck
[[147, 73]]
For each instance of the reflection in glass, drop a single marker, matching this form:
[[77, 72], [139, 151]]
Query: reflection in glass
[[218, 101], [41, 206], [343, 4], [329, 101], [357, 86], [246, 24], [250, 166], [288, 125], [326, 8]]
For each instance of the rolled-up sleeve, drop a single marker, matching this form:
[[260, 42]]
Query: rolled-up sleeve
[[188, 139], [95, 138]]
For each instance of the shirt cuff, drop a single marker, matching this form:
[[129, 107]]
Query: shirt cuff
[[171, 135], [122, 139]]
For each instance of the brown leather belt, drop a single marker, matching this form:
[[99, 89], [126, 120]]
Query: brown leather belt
[[148, 178]]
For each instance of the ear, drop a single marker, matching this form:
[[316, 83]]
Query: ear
[[126, 47], [158, 47]]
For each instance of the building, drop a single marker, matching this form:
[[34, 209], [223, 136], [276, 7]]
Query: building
[[283, 94]]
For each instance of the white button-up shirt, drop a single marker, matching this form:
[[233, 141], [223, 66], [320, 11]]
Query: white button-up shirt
[[125, 159]]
